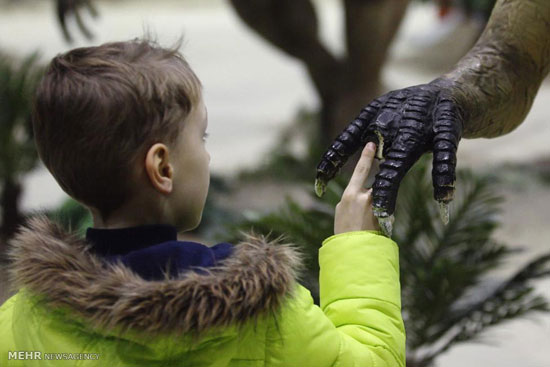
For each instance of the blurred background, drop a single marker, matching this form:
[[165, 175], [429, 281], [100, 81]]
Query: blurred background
[[279, 84]]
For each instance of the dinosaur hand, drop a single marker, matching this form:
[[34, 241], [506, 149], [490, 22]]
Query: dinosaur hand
[[404, 124], [66, 8]]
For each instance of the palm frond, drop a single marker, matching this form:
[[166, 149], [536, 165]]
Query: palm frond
[[511, 299]]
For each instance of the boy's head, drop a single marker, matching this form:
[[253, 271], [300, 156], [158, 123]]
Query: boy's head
[[120, 127]]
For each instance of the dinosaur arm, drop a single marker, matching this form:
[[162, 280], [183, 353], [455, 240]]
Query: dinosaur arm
[[496, 82]]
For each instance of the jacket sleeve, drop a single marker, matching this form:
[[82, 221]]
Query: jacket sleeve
[[6, 335], [359, 322]]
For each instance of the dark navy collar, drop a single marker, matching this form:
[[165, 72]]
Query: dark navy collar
[[120, 241], [152, 251]]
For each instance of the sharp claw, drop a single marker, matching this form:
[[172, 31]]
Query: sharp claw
[[379, 151], [320, 187], [385, 221], [386, 224], [444, 212]]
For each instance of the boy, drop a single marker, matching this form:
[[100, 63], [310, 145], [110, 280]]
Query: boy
[[121, 127]]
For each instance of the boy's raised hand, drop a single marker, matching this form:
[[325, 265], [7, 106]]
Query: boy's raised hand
[[354, 211]]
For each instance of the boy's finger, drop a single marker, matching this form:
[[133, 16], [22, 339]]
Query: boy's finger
[[361, 172]]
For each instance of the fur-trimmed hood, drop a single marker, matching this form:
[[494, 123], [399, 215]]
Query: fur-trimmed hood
[[58, 265]]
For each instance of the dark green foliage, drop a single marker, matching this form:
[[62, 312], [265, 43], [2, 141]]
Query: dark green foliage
[[18, 79], [444, 266], [72, 216], [17, 83], [538, 172], [447, 297]]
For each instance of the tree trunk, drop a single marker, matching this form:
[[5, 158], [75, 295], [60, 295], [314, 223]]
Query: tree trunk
[[370, 26], [341, 107], [344, 84]]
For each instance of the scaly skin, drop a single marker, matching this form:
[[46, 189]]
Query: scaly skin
[[497, 81], [487, 94]]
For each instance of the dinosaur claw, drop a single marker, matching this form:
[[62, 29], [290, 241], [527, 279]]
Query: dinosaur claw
[[385, 221], [320, 187], [444, 212]]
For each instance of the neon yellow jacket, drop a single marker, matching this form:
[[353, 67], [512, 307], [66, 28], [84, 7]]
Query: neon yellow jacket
[[74, 310]]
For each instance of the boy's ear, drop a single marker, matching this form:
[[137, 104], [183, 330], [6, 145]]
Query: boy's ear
[[158, 168]]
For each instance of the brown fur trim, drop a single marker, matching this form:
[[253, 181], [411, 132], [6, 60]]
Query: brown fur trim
[[58, 265]]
